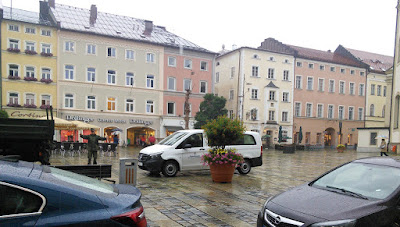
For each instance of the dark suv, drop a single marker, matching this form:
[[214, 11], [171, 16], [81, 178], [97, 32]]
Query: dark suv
[[364, 192]]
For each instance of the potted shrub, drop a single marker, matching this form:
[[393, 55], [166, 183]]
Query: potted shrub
[[44, 54], [221, 132], [340, 148], [27, 78], [30, 106], [13, 105], [14, 50], [30, 52], [14, 77]]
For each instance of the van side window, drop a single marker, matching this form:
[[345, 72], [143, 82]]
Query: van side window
[[246, 140], [196, 140]]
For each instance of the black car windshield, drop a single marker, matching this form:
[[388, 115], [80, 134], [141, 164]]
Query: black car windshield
[[173, 138], [361, 180]]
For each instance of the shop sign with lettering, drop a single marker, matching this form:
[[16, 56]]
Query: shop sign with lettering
[[105, 120], [27, 114], [79, 118]]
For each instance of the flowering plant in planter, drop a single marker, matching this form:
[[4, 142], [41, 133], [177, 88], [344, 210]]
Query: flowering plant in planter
[[340, 146], [14, 50], [31, 52], [47, 81], [14, 77], [44, 54], [27, 78], [30, 106], [222, 156], [13, 105], [44, 106]]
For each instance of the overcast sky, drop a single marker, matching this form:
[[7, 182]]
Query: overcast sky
[[367, 25]]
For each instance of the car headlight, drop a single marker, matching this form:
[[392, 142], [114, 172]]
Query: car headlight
[[157, 155], [339, 223]]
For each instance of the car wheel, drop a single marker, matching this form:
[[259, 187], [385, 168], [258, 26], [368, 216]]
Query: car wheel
[[170, 169], [245, 167]]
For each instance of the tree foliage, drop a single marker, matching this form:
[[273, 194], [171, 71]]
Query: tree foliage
[[3, 114], [223, 131], [212, 107]]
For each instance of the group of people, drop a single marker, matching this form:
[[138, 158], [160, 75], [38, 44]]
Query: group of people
[[144, 142]]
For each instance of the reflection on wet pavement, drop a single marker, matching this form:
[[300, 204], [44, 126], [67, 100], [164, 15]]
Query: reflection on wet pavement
[[192, 199]]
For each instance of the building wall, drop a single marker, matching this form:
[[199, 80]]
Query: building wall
[[314, 96], [23, 60], [368, 144], [377, 94]]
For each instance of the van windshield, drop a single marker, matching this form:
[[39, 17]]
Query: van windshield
[[173, 138]]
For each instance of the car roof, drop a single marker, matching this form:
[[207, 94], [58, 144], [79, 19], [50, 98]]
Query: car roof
[[18, 168], [383, 161]]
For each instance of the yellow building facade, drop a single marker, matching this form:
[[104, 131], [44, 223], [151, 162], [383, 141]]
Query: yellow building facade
[[28, 65]]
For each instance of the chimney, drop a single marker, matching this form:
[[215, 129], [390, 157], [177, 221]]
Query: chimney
[[44, 11], [148, 27], [93, 15], [52, 3]]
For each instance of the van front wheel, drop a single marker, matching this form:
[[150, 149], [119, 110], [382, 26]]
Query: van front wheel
[[245, 167], [170, 169]]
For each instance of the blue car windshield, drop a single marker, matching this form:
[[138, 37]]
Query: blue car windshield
[[173, 138], [366, 180]]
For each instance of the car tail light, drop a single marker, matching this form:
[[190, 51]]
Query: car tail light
[[261, 150], [135, 217]]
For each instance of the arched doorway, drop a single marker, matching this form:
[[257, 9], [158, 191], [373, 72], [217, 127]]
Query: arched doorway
[[110, 132], [135, 135], [329, 137]]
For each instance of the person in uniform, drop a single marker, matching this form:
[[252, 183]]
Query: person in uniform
[[93, 145]]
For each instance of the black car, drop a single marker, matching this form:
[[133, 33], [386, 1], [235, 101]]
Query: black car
[[364, 192]]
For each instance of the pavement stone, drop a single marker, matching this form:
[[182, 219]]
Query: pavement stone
[[192, 199]]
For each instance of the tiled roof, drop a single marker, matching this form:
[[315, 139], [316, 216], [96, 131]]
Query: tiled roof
[[77, 19], [23, 16], [377, 62]]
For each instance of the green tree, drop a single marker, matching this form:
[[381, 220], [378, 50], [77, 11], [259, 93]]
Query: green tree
[[212, 107], [3, 114]]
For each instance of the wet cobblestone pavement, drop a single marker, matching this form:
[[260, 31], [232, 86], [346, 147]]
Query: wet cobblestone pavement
[[192, 199]]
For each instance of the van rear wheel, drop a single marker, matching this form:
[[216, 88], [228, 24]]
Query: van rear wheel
[[245, 167], [170, 169]]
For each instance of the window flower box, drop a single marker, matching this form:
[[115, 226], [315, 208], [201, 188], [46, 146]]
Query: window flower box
[[30, 106], [45, 107], [13, 105], [47, 81], [30, 52], [46, 54], [14, 77], [30, 79], [14, 50]]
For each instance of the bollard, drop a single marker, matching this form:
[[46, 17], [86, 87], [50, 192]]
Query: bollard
[[128, 171]]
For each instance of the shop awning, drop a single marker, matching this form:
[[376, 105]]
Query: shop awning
[[83, 125], [61, 124], [173, 128]]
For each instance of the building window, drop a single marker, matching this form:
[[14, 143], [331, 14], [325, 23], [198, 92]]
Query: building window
[[30, 46], [150, 81], [320, 111], [91, 102], [372, 138], [46, 74], [299, 64], [203, 66], [203, 87], [271, 73], [46, 48], [69, 46], [271, 115], [343, 71], [29, 72], [331, 86], [341, 87], [171, 83], [69, 101], [298, 82], [171, 108], [129, 106], [69, 72], [322, 67], [285, 116], [111, 77], [272, 95], [187, 63], [172, 61], [231, 115], [372, 110], [360, 113], [321, 84], [384, 91], [46, 32], [352, 72], [91, 74], [271, 58], [29, 99], [330, 111], [231, 94], [129, 54], [13, 44], [217, 77], [187, 84], [45, 101], [254, 71], [111, 52], [351, 113], [285, 97], [308, 110], [129, 79], [111, 104], [91, 49], [254, 93], [341, 112], [286, 75], [254, 114], [13, 27], [13, 70], [351, 88], [361, 73], [361, 90], [297, 109], [149, 106], [13, 98], [233, 72], [372, 89], [333, 69], [379, 90], [310, 83], [150, 57], [310, 65]]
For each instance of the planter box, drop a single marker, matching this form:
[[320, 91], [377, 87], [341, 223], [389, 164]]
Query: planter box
[[289, 149]]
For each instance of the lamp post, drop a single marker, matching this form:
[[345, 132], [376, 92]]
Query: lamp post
[[340, 132]]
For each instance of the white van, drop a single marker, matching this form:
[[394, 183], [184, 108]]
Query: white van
[[183, 150]]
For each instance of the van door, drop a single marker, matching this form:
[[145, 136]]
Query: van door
[[247, 146], [193, 148]]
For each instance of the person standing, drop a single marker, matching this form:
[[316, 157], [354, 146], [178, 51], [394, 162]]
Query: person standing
[[116, 140], [152, 139], [93, 145], [383, 148]]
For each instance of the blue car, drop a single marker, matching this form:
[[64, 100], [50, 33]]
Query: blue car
[[35, 195]]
